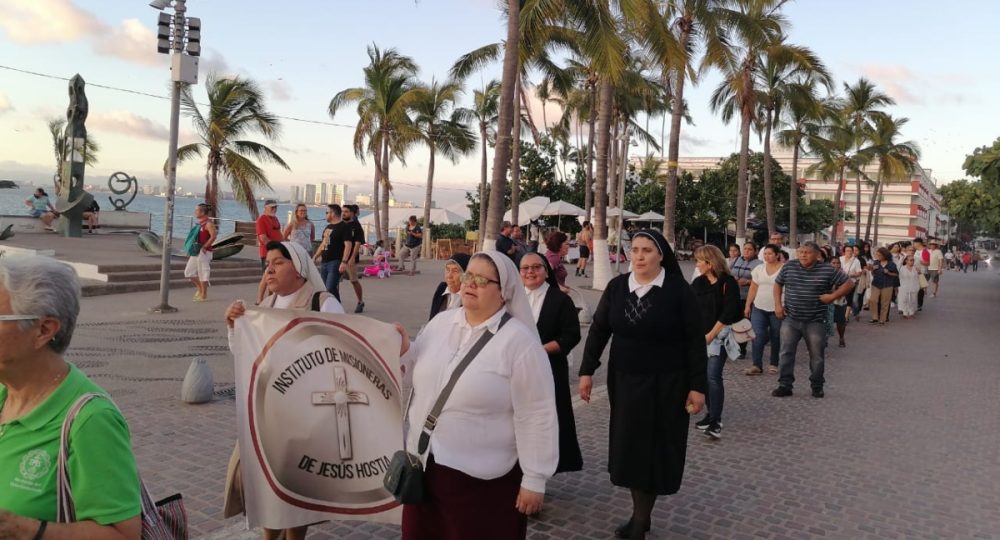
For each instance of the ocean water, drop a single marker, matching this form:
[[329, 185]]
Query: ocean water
[[12, 202]]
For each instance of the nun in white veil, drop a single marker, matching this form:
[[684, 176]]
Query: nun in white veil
[[496, 441]]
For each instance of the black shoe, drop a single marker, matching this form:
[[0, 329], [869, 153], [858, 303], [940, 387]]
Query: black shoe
[[715, 430], [360, 308], [625, 530], [782, 391], [703, 423], [818, 393]]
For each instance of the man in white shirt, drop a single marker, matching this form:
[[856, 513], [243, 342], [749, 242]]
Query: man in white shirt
[[778, 239], [936, 266]]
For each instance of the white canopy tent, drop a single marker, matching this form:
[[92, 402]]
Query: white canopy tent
[[648, 216], [528, 210]]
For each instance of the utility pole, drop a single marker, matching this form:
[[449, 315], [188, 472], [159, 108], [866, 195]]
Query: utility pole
[[180, 37]]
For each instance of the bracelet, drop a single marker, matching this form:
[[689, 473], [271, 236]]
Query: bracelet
[[42, 525]]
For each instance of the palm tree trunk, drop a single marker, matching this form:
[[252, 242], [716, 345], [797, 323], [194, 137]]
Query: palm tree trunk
[[482, 188], [871, 204], [428, 197], [386, 188], [515, 160], [501, 156], [622, 170], [676, 113], [742, 187], [375, 194], [793, 200], [602, 266], [768, 188], [878, 210], [523, 96], [588, 192], [857, 213], [613, 168], [837, 199]]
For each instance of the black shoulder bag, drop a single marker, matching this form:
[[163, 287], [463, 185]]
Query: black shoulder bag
[[405, 477]]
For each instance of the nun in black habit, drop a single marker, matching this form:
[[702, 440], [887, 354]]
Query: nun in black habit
[[656, 374], [559, 328], [447, 296]]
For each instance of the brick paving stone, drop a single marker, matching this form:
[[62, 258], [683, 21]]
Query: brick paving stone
[[906, 443]]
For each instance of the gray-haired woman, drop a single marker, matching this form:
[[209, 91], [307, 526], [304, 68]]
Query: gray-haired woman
[[39, 304]]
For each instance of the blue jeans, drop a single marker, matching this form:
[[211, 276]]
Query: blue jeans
[[815, 335], [767, 328], [331, 277], [716, 397]]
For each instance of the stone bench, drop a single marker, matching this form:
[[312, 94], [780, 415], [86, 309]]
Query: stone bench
[[105, 220]]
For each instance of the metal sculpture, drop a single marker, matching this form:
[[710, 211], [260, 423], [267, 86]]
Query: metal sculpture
[[130, 184], [73, 201]]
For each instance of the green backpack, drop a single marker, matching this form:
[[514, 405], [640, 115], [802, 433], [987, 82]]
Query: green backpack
[[191, 246]]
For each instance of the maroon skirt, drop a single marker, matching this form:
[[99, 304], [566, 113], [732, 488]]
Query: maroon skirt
[[463, 507]]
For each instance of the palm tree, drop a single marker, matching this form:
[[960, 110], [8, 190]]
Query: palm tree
[[896, 161], [485, 109], [799, 127], [862, 106], [442, 128], [59, 148], [236, 108], [756, 30], [696, 22], [779, 85], [384, 129]]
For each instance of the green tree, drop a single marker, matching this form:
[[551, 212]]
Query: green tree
[[896, 161], [862, 106], [984, 163], [384, 128], [485, 108], [442, 128], [799, 127], [236, 108], [973, 206], [56, 129]]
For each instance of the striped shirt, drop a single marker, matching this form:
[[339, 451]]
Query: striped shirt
[[802, 287]]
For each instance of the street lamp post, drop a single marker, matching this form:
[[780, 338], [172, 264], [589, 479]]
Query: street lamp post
[[179, 36]]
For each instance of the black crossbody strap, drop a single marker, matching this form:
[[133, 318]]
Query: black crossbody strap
[[431, 422]]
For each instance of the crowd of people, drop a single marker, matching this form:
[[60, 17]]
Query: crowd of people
[[508, 310]]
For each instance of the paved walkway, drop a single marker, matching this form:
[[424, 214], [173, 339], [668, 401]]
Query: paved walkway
[[905, 445]]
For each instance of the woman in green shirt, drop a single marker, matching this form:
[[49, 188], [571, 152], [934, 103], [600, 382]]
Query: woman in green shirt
[[39, 304]]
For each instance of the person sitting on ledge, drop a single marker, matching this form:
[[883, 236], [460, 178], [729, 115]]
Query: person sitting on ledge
[[42, 208], [90, 215]]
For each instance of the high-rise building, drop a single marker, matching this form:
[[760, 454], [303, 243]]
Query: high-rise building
[[323, 197], [310, 194], [338, 193], [296, 195]]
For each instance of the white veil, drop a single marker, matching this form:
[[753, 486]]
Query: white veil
[[512, 290], [305, 266]]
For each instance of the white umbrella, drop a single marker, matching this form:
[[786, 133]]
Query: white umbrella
[[649, 216], [528, 210], [562, 208], [613, 212]]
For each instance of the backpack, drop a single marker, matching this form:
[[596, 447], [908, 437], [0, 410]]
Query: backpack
[[925, 256], [191, 245]]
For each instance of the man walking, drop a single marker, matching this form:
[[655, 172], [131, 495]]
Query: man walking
[[411, 246], [778, 239], [268, 229], [357, 237], [330, 254], [801, 294], [505, 244], [936, 266]]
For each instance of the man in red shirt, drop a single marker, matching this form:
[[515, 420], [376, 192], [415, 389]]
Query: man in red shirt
[[268, 230]]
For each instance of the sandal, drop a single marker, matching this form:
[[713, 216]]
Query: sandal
[[753, 371], [772, 370]]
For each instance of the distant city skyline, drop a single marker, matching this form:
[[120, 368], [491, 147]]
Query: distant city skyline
[[942, 85]]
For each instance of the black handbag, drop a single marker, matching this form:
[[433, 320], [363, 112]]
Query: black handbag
[[405, 478]]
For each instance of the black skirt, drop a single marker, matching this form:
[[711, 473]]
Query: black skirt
[[648, 431], [570, 457]]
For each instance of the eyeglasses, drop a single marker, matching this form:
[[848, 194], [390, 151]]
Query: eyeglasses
[[19, 317], [532, 268], [478, 281]]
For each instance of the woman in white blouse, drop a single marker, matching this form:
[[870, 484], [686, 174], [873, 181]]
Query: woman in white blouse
[[496, 441], [760, 310]]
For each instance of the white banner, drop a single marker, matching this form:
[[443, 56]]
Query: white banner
[[320, 416]]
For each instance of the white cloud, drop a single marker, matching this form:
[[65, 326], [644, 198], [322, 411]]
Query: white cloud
[[212, 61], [131, 41], [34, 22], [280, 89], [5, 105], [127, 123]]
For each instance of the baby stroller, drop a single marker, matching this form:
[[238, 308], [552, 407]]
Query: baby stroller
[[379, 269]]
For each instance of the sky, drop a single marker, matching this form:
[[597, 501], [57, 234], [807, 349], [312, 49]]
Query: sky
[[302, 52]]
